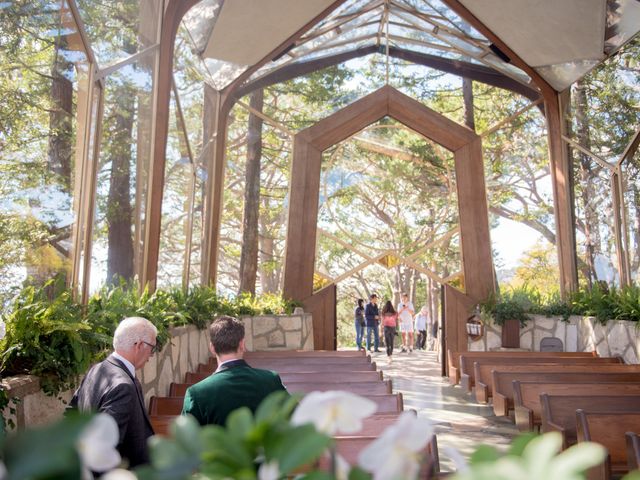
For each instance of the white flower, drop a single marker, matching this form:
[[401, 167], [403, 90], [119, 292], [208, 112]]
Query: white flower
[[3, 332], [119, 474], [334, 412], [342, 468], [397, 453], [457, 459], [269, 471], [97, 443], [3, 471]]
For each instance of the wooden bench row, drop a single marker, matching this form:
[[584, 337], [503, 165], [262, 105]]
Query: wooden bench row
[[456, 364]]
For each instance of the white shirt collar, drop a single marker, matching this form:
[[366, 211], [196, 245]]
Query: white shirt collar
[[126, 362]]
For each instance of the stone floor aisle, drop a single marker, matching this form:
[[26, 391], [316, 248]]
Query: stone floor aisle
[[461, 423]]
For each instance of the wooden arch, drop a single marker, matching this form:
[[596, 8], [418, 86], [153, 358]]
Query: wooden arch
[[305, 183]]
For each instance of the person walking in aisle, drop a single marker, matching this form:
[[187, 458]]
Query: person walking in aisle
[[372, 316], [360, 323], [405, 313], [390, 323], [421, 321]]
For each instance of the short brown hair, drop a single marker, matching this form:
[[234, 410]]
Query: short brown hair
[[226, 334]]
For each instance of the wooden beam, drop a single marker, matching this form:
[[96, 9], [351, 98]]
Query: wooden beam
[[631, 148], [562, 183], [510, 118], [474, 221], [460, 68], [620, 229], [601, 161]]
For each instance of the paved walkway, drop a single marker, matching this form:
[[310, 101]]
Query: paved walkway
[[461, 422]]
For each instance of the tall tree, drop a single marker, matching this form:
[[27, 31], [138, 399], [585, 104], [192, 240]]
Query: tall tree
[[249, 255]]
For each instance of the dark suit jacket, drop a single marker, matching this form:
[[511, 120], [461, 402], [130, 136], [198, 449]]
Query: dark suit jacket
[[235, 385], [109, 387]]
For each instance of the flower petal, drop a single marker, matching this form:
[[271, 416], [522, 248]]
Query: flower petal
[[402, 443], [333, 412], [269, 471], [119, 474], [96, 445]]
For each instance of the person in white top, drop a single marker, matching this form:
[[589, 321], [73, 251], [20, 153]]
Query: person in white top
[[405, 316], [421, 328]]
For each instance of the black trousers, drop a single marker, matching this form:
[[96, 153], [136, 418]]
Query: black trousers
[[422, 339], [389, 336]]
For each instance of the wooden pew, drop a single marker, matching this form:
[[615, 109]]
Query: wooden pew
[[322, 376], [502, 380], [559, 411], [526, 397], [483, 388], [257, 361], [454, 359], [311, 384], [300, 366], [468, 378], [607, 428], [633, 450], [387, 403], [306, 353]]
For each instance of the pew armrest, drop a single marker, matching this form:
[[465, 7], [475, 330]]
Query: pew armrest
[[500, 405], [482, 392], [466, 382], [524, 418], [454, 375]]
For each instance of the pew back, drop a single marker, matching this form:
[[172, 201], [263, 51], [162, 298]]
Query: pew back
[[482, 369], [502, 379], [559, 411], [321, 376], [526, 397], [455, 362]]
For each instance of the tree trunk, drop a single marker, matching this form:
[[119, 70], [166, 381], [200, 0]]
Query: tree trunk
[[249, 255], [467, 94], [119, 213], [591, 223]]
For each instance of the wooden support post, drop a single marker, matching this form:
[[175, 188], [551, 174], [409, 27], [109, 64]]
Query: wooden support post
[[173, 14], [562, 181]]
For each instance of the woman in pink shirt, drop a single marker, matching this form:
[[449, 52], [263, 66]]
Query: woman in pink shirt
[[390, 323]]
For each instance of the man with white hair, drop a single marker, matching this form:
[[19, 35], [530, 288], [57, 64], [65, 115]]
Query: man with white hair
[[111, 387]]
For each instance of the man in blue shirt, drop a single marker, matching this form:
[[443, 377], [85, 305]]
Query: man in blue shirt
[[372, 315]]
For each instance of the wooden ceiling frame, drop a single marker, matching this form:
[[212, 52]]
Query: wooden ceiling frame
[[305, 184]]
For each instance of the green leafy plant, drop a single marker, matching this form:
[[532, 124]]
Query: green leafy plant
[[57, 338]]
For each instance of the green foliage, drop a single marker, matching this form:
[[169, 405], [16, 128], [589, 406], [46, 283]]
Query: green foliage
[[237, 450], [533, 457], [601, 302], [511, 305], [57, 338]]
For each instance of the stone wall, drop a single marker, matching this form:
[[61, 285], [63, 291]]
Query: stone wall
[[578, 334], [188, 347]]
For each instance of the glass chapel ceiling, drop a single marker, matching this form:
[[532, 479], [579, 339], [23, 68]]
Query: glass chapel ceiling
[[425, 26]]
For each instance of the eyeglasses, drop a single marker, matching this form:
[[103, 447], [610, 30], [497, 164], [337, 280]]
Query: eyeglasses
[[154, 348]]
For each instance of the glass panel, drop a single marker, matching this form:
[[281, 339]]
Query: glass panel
[[595, 237], [189, 78], [519, 192], [631, 194], [176, 199], [233, 204], [386, 194], [623, 23], [562, 75], [123, 172], [603, 114], [120, 29], [199, 21], [44, 75]]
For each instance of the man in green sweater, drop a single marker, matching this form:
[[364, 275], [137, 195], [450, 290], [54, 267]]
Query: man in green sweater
[[234, 384]]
